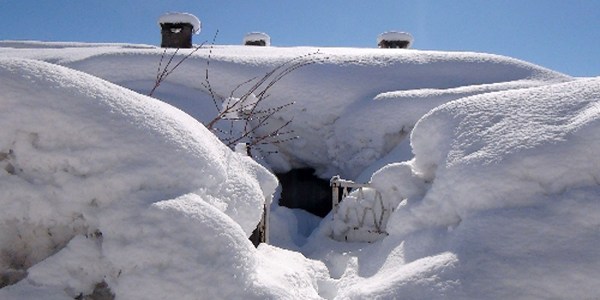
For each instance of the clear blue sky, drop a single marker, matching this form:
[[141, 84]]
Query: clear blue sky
[[563, 35]]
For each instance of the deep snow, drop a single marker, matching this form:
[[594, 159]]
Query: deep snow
[[499, 200]]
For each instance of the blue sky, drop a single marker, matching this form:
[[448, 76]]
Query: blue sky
[[562, 35]]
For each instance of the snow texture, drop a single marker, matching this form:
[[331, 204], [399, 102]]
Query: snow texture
[[489, 164], [132, 186], [513, 180]]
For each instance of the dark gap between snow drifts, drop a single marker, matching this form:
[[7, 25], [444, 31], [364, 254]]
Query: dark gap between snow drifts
[[300, 188]]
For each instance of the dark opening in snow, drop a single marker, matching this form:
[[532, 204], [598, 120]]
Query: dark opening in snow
[[300, 188]]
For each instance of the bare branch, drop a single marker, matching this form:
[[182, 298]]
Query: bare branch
[[207, 84], [248, 108], [161, 75]]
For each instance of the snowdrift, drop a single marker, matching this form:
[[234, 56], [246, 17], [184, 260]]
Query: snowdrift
[[508, 202], [100, 185]]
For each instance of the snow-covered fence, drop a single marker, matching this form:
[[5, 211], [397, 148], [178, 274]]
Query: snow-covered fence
[[362, 216]]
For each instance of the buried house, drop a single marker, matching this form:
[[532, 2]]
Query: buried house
[[177, 29]]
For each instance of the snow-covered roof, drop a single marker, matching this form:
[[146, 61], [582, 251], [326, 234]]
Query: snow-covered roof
[[178, 18], [395, 36], [257, 36]]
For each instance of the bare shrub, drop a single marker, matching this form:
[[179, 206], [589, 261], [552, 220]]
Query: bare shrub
[[248, 120], [249, 109]]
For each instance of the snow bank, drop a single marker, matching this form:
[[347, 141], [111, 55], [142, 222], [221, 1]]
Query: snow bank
[[538, 141], [100, 185], [507, 197]]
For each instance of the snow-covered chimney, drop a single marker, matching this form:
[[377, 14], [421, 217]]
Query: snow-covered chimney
[[257, 39], [395, 39], [177, 29]]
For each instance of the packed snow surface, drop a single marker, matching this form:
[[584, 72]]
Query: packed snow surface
[[486, 165]]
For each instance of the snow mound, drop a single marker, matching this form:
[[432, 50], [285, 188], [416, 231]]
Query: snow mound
[[506, 184], [103, 185], [538, 141]]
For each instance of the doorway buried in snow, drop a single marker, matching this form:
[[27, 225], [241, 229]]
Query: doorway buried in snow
[[300, 188]]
